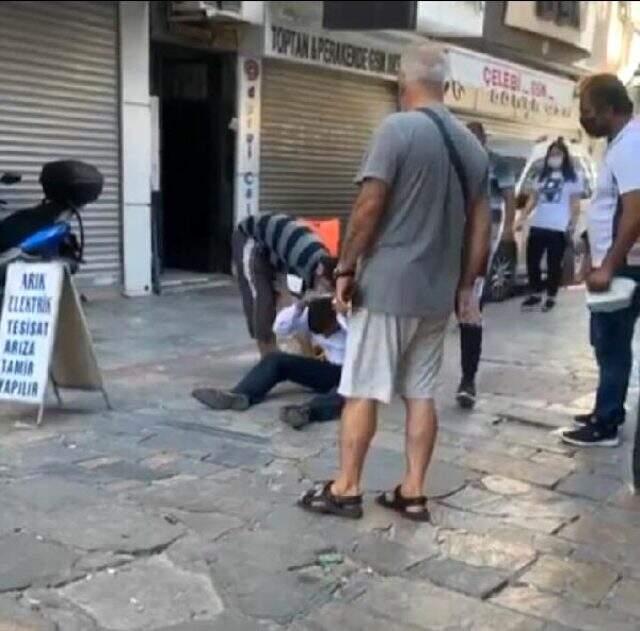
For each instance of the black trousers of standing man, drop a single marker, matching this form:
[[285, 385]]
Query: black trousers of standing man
[[553, 243]]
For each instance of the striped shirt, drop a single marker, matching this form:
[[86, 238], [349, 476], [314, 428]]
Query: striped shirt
[[292, 247]]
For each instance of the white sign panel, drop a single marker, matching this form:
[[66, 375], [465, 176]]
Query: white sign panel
[[482, 71], [329, 50], [28, 329], [468, 68], [248, 137]]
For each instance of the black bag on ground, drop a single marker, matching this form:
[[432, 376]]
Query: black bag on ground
[[71, 182]]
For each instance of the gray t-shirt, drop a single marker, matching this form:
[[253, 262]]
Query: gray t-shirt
[[414, 266]]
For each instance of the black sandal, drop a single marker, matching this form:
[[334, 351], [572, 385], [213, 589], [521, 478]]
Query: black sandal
[[413, 508], [322, 501]]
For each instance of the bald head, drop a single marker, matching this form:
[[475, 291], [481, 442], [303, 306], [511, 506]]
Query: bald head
[[424, 72]]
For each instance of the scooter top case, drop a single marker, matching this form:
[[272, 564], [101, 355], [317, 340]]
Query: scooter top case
[[67, 184]]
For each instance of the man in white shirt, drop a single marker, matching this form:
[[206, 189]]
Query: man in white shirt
[[613, 232], [328, 332]]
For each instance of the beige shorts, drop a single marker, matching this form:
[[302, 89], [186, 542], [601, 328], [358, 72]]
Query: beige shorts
[[391, 355]]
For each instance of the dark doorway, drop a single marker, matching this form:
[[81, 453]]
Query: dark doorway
[[195, 211]]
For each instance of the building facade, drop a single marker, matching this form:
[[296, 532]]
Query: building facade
[[200, 113]]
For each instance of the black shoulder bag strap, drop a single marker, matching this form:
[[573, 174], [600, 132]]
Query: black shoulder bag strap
[[454, 156]]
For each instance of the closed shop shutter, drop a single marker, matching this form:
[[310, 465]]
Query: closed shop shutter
[[315, 126], [59, 100]]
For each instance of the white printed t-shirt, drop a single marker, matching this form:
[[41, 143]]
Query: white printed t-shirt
[[553, 207], [618, 173]]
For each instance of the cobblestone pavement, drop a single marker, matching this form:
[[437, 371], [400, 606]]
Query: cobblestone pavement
[[161, 515]]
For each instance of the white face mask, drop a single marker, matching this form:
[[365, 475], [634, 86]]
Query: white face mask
[[555, 162]]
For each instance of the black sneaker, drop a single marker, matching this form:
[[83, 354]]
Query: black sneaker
[[592, 436], [295, 416], [466, 396], [587, 419], [531, 302], [549, 304], [222, 399], [580, 420]]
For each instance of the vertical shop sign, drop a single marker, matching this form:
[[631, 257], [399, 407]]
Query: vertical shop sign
[[248, 141]]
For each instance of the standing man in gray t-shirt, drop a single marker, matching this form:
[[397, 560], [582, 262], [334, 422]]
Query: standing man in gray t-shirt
[[416, 238]]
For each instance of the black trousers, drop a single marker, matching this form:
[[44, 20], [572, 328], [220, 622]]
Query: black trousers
[[320, 376], [470, 350], [553, 243], [256, 279]]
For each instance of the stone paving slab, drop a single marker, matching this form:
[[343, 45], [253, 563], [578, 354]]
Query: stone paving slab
[[348, 618], [592, 486], [27, 561], [484, 551], [427, 606], [144, 595], [108, 526], [583, 582], [14, 617], [526, 471], [478, 582], [528, 600], [626, 597], [387, 557]]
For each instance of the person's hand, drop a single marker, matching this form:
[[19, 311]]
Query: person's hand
[[599, 280], [468, 306], [345, 288]]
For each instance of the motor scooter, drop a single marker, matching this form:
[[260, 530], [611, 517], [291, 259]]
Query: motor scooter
[[44, 232]]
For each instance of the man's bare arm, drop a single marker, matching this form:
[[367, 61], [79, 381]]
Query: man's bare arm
[[509, 197], [477, 238], [627, 233], [363, 223]]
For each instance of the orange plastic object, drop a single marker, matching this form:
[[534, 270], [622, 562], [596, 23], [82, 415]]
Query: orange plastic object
[[328, 230]]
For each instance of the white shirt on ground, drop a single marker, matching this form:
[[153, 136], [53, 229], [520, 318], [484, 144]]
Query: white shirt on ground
[[553, 206], [618, 173], [291, 321]]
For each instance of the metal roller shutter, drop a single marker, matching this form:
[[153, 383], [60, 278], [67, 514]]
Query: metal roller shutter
[[315, 126], [516, 129], [59, 99]]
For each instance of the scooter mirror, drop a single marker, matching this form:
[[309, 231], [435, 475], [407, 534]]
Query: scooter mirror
[[10, 178]]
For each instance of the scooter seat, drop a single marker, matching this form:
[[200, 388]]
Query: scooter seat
[[22, 224]]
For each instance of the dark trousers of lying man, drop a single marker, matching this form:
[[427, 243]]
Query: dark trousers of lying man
[[322, 376]]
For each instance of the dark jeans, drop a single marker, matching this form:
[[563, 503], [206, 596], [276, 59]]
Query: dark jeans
[[553, 242], [470, 350], [320, 376], [611, 338]]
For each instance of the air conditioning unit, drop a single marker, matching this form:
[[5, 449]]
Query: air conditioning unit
[[229, 12]]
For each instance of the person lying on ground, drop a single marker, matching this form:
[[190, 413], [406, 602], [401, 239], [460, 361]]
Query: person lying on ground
[[328, 331], [265, 248]]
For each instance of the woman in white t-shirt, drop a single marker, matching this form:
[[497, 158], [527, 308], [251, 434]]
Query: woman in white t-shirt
[[555, 203]]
